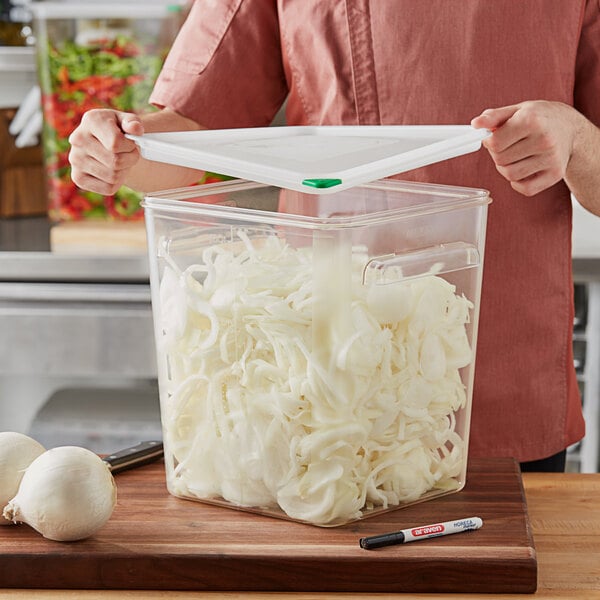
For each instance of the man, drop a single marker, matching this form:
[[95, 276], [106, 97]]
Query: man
[[403, 62]]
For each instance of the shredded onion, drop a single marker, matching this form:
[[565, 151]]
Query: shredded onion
[[261, 412]]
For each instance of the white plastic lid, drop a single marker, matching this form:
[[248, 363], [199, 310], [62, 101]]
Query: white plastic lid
[[318, 160]]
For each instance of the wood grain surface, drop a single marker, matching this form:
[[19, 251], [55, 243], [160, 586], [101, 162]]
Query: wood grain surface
[[564, 512], [99, 237], [155, 541], [22, 176]]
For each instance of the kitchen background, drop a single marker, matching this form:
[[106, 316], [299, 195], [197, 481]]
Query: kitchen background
[[77, 361]]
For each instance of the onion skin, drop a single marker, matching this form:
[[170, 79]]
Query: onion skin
[[66, 494], [17, 452]]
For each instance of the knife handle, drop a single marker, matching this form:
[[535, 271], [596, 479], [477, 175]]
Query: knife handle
[[135, 456]]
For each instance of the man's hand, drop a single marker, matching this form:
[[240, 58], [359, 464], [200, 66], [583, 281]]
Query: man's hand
[[101, 156], [103, 159], [532, 142]]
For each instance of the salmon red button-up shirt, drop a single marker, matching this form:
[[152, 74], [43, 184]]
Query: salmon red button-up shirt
[[396, 62]]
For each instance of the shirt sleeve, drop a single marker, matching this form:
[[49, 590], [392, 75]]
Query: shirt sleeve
[[225, 67], [587, 73]]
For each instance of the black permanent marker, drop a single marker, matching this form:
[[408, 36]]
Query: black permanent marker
[[420, 533]]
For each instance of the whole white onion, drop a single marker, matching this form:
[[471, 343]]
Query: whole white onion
[[17, 452], [66, 494]]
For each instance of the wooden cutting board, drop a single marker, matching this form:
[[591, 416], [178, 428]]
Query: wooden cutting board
[[157, 541], [98, 237]]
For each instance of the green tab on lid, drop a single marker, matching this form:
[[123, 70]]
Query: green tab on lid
[[321, 183]]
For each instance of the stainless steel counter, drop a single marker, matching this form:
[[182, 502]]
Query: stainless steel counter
[[68, 314], [25, 256], [68, 321]]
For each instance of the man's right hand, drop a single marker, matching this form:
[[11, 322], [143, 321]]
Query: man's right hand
[[101, 156]]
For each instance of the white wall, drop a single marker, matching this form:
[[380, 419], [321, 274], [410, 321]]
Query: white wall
[[586, 232]]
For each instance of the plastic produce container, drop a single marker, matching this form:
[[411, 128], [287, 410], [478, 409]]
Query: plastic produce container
[[315, 350], [95, 55]]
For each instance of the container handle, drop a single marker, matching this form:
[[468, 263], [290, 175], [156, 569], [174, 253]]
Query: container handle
[[433, 260]]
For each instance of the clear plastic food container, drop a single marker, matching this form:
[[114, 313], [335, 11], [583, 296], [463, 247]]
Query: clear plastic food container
[[95, 55], [316, 352]]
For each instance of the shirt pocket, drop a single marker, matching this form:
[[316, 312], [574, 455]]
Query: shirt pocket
[[201, 34]]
